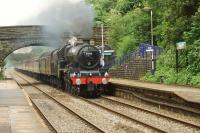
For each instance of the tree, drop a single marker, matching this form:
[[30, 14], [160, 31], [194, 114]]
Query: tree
[[124, 6], [128, 24], [193, 40], [173, 18], [130, 30]]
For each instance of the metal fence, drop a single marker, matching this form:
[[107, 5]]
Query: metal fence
[[128, 57], [142, 52]]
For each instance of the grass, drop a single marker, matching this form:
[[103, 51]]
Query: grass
[[1, 76]]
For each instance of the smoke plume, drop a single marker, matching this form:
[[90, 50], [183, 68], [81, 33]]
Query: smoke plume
[[65, 17]]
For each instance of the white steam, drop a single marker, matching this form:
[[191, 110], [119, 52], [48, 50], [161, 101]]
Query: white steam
[[23, 50], [69, 17]]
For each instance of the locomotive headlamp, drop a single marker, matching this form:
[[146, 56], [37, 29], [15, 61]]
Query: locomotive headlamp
[[106, 74], [78, 82], [104, 81], [74, 74]]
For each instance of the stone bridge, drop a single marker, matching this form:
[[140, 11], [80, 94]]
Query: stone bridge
[[16, 37]]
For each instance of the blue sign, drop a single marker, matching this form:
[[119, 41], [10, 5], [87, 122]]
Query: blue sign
[[146, 47]]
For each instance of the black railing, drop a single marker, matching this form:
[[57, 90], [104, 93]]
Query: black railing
[[126, 58], [131, 56]]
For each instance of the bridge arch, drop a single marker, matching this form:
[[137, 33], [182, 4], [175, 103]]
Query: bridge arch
[[16, 37], [10, 52], [4, 53]]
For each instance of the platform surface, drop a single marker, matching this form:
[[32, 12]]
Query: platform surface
[[187, 93], [16, 113]]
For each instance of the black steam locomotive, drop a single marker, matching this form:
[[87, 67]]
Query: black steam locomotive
[[76, 68]]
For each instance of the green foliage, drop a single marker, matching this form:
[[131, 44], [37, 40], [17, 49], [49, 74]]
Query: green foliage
[[125, 45], [102, 8], [126, 21], [173, 21], [168, 75], [124, 6], [195, 80], [178, 22], [2, 64], [183, 77], [1, 76], [165, 75], [130, 30], [166, 71], [1, 71], [193, 39], [167, 58], [194, 57]]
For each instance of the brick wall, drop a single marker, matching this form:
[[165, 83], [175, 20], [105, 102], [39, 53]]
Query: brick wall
[[133, 69]]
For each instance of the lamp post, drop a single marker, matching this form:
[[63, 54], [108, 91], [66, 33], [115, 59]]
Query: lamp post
[[102, 46], [152, 53]]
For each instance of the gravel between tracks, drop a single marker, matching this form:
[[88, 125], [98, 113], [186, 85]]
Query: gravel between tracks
[[190, 119], [154, 120]]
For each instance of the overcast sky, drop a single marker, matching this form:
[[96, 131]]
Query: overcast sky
[[13, 12]]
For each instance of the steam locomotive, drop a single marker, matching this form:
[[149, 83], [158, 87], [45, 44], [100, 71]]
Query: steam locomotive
[[76, 68]]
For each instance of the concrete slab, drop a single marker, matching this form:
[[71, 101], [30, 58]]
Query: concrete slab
[[16, 115], [23, 120], [188, 93], [5, 126], [7, 74], [11, 95]]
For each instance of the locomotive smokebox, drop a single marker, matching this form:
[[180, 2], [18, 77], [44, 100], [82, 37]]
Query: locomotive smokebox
[[84, 56]]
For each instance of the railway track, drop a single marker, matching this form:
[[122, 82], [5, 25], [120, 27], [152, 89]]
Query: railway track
[[122, 115], [109, 110], [150, 112], [97, 129], [131, 107], [169, 106], [48, 123], [156, 127]]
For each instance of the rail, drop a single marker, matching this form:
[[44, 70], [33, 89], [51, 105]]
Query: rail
[[62, 105], [151, 112], [127, 90], [122, 115]]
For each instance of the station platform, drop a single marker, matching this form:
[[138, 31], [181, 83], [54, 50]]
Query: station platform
[[16, 113], [187, 93]]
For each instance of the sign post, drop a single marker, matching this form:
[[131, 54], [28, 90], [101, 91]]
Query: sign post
[[102, 53], [180, 46]]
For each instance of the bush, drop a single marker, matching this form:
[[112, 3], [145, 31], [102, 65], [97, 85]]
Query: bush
[[183, 77], [1, 76], [149, 77], [168, 75], [166, 71], [195, 80], [125, 45]]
